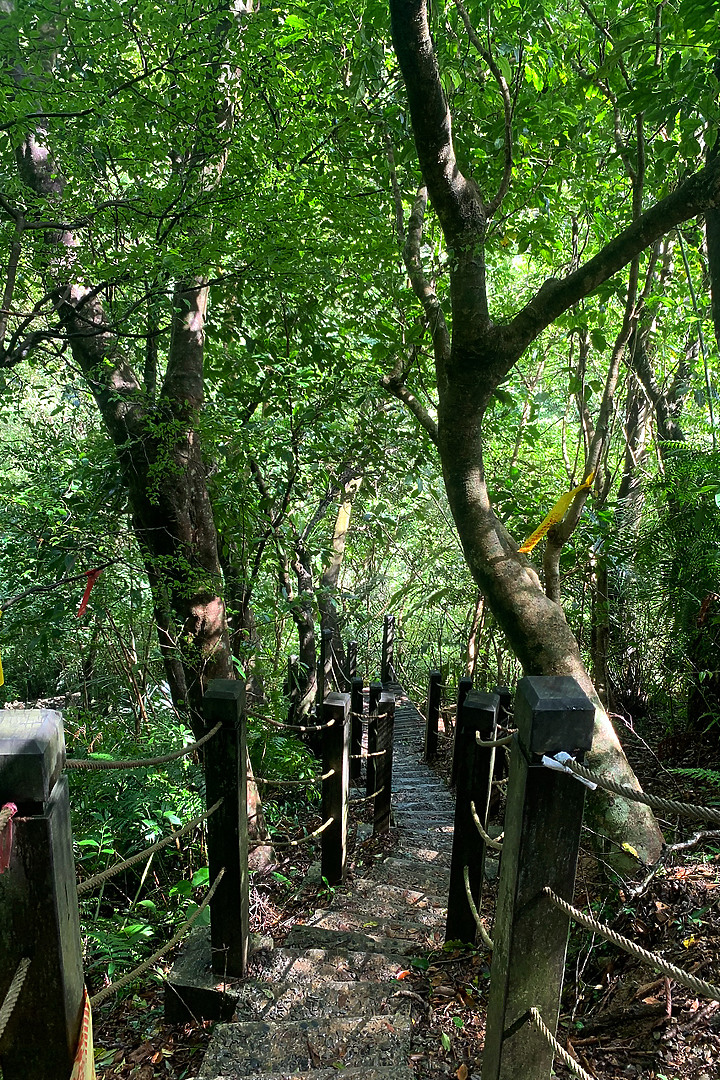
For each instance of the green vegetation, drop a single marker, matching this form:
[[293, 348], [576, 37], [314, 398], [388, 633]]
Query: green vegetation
[[221, 325]]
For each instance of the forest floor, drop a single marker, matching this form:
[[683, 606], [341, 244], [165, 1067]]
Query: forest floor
[[618, 1019]]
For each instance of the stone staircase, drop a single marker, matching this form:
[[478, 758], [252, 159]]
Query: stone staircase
[[329, 999]]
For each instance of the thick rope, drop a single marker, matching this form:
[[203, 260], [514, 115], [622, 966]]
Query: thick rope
[[91, 883], [367, 798], [672, 806], [140, 763], [363, 757], [698, 986], [294, 783], [113, 988], [486, 939], [559, 1050], [296, 727], [497, 844], [13, 993], [280, 846], [504, 741]]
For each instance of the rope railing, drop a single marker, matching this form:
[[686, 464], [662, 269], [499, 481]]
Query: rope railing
[[671, 806], [366, 757], [486, 939], [113, 988], [505, 740], [305, 728], [367, 798], [685, 978], [567, 1059], [13, 993], [91, 883], [141, 763], [497, 844], [294, 783], [280, 845]]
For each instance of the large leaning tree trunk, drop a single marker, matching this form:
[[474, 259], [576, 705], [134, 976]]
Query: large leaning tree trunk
[[472, 363], [156, 440], [329, 614]]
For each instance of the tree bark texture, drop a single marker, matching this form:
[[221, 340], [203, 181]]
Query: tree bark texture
[[480, 355]]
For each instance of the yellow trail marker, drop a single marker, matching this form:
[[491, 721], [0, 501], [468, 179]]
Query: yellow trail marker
[[556, 514]]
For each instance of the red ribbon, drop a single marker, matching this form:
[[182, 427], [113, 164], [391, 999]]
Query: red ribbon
[[92, 576], [6, 838]]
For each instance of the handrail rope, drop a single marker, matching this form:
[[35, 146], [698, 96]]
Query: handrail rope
[[698, 986], [294, 727], [673, 806], [279, 846], [90, 883], [560, 1051], [6, 814], [113, 988], [295, 783], [13, 993], [363, 757], [505, 741], [486, 939], [498, 844], [140, 763], [367, 798]]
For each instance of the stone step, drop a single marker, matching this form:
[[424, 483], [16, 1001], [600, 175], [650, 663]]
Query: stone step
[[288, 1047], [371, 939], [385, 1072], [259, 999], [379, 928], [390, 901], [411, 874], [310, 965]]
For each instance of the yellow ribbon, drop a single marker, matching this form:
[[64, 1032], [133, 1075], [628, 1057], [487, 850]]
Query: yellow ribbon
[[556, 514]]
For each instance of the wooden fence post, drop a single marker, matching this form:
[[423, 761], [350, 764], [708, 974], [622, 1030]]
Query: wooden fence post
[[387, 667], [383, 765], [542, 836], [474, 774], [372, 736], [352, 651], [227, 828], [38, 901], [464, 688], [336, 788], [356, 708], [433, 716]]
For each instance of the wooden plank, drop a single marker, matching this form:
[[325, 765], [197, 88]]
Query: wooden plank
[[336, 788], [383, 765], [433, 716]]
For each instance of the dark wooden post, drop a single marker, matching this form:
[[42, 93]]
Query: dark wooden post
[[387, 667], [356, 708], [352, 651], [475, 763], [542, 836], [38, 901], [433, 716], [227, 828], [336, 788], [504, 717], [372, 735], [464, 688], [383, 765]]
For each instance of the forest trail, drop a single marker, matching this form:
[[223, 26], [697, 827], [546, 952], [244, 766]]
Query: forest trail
[[329, 999]]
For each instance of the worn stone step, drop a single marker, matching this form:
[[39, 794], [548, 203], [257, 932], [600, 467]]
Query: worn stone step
[[370, 939], [411, 874], [287, 963], [391, 901], [259, 999], [418, 852], [378, 927], [252, 1048], [387, 1072]]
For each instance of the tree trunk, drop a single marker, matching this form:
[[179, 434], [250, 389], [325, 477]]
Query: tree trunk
[[329, 617]]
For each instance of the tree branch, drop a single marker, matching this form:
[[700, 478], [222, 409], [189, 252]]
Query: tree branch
[[456, 200], [698, 193]]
